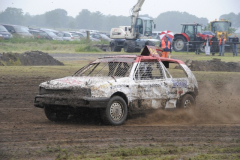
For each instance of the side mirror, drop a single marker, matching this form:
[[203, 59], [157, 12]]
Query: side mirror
[[155, 26], [230, 24], [126, 29]]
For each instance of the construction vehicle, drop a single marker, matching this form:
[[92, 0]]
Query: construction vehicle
[[220, 28], [188, 37], [133, 38]]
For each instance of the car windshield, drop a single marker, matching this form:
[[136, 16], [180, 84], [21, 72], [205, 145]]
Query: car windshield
[[3, 29], [107, 67], [51, 33], [21, 29]]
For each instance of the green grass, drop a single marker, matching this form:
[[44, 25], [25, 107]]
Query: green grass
[[21, 45]]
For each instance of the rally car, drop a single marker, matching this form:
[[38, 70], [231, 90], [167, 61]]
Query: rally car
[[118, 86]]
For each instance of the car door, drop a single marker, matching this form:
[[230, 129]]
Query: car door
[[149, 89], [177, 83]]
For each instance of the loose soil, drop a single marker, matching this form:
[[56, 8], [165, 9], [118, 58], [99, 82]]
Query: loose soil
[[213, 65], [31, 58], [212, 128]]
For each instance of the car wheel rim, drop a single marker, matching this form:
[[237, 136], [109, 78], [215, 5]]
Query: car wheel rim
[[179, 44], [187, 104], [116, 111]]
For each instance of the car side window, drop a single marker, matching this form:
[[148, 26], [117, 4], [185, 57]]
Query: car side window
[[66, 35], [176, 71], [149, 70]]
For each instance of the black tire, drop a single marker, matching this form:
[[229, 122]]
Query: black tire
[[214, 47], [187, 102], [129, 46], [150, 43], [116, 111], [115, 48], [137, 50], [202, 48], [53, 115], [179, 44]]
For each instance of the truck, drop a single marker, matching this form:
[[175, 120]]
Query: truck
[[133, 38]]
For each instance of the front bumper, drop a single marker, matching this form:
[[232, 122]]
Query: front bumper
[[42, 100]]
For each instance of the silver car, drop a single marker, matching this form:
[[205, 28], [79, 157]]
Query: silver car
[[118, 85], [67, 36]]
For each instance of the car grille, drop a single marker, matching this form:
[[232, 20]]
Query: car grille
[[86, 92]]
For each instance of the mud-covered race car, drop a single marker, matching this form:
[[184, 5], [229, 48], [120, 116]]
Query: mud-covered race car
[[120, 85]]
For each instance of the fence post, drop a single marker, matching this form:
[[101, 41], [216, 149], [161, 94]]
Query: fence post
[[187, 46], [88, 34]]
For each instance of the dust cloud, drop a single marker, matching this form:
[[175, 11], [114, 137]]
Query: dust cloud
[[217, 103]]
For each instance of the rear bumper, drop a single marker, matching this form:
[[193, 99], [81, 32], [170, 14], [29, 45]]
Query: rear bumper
[[42, 100]]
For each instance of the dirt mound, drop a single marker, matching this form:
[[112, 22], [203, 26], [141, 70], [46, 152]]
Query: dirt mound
[[213, 65], [32, 58]]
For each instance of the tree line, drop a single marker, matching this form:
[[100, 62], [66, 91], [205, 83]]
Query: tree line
[[59, 18]]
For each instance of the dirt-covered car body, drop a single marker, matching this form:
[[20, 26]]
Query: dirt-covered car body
[[143, 82]]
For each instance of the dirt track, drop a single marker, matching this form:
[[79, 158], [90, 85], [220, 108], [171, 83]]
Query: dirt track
[[26, 133]]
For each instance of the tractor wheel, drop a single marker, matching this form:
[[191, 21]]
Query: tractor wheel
[[129, 46], [115, 48], [179, 44], [150, 43], [202, 48], [137, 50]]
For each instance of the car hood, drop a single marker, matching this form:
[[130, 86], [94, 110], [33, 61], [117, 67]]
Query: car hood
[[5, 33], [74, 83]]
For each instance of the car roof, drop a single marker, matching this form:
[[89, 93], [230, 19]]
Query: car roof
[[12, 25], [137, 58]]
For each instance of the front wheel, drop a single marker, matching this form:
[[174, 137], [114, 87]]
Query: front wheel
[[54, 115], [116, 111], [187, 102]]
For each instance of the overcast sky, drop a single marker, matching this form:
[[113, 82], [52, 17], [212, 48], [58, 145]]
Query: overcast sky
[[209, 9]]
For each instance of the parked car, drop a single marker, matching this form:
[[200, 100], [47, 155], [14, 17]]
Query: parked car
[[102, 37], [4, 33], [81, 35], [67, 36], [38, 34], [84, 36], [16, 30], [51, 34], [116, 86]]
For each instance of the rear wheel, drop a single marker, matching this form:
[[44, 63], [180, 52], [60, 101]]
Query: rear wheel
[[129, 46], [202, 48], [187, 102], [179, 44], [114, 48], [116, 111], [54, 115]]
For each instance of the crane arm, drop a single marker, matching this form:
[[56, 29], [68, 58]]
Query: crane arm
[[135, 13]]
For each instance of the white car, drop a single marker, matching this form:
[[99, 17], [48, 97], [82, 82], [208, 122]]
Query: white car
[[120, 85], [67, 36]]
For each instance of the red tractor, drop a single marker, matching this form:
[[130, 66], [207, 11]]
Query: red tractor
[[189, 32]]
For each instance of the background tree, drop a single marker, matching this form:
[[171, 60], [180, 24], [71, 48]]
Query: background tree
[[12, 16]]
